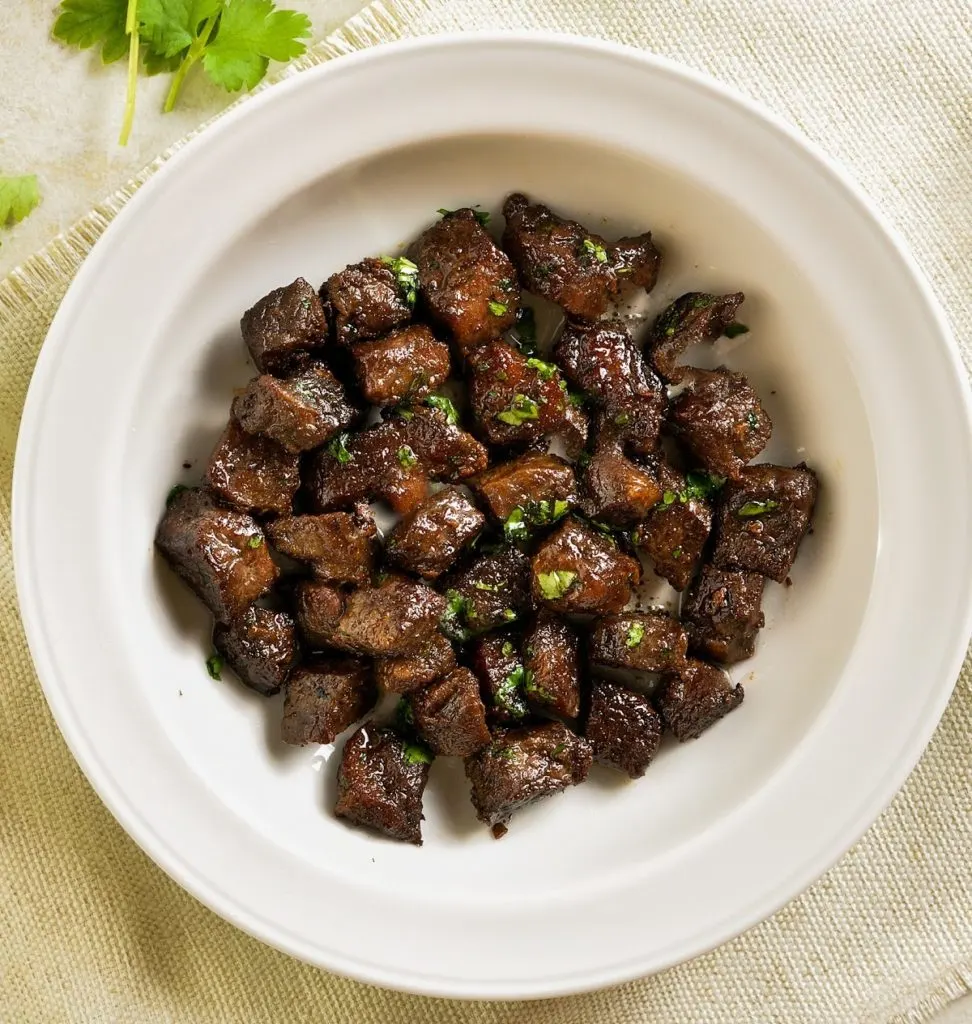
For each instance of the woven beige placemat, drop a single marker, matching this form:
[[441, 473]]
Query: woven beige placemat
[[91, 930]]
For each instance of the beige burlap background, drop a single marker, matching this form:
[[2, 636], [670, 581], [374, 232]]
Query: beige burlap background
[[93, 931]]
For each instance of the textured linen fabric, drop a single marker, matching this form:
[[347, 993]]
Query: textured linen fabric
[[92, 931]]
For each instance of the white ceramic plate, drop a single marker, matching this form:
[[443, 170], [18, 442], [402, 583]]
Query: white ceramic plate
[[611, 880]]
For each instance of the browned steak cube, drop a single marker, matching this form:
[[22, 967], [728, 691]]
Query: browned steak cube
[[393, 618], [696, 698], [567, 264], [515, 398], [616, 491], [492, 591], [340, 547], [325, 697], [467, 283], [403, 366], [762, 519], [367, 300], [580, 569], [522, 765], [433, 658], [722, 614], [445, 450], [551, 652], [535, 483], [623, 728], [299, 412], [691, 318], [604, 363], [720, 419], [677, 528], [641, 641], [220, 553], [284, 328], [253, 473], [502, 678], [450, 716], [318, 608], [260, 647], [430, 538], [381, 781]]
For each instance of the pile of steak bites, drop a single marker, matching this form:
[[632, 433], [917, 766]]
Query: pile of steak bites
[[503, 613]]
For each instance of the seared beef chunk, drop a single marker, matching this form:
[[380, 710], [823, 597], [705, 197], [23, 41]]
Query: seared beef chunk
[[604, 363], [696, 698], [396, 617], [762, 519], [340, 547], [299, 412], [394, 460], [719, 418], [677, 528], [381, 781], [515, 398], [502, 678], [567, 264], [428, 539], [694, 317], [722, 614], [221, 554], [492, 591], [260, 647], [623, 728], [253, 473], [642, 641], [318, 609], [523, 765], [538, 485], [284, 328], [367, 300], [325, 697], [467, 284], [551, 652], [404, 366], [615, 490], [450, 716], [580, 569], [433, 658]]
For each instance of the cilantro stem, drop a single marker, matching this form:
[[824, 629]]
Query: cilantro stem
[[199, 44], [131, 27]]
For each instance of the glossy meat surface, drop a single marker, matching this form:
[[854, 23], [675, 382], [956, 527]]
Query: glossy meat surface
[[404, 366], [366, 301], [430, 538], [260, 647], [499, 668], [691, 318], [551, 656], [643, 641], [623, 728], [722, 613], [449, 715], [491, 591], [318, 608], [252, 473], [433, 658], [285, 328], [523, 483], [696, 698], [390, 619], [616, 491], [324, 697], [340, 547]]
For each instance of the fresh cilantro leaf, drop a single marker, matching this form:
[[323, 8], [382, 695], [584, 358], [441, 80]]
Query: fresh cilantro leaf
[[214, 666], [406, 457], [735, 329], [491, 588], [554, 585], [444, 405], [509, 693], [636, 633], [19, 196], [669, 498], [454, 621], [497, 308], [481, 215], [596, 250], [507, 649], [406, 274], [534, 513], [676, 552], [339, 449], [521, 409], [169, 27], [509, 614], [701, 485], [622, 419], [752, 420], [418, 753], [515, 527], [251, 33], [255, 541], [87, 23], [756, 508], [545, 371]]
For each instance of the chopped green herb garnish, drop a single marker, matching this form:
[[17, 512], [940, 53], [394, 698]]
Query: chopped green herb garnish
[[700, 485], [174, 493], [497, 308], [338, 448], [534, 513], [756, 508], [596, 250], [545, 371], [454, 621], [509, 614], [406, 457], [507, 649], [406, 274], [521, 409], [702, 301], [752, 420], [444, 405], [676, 553], [491, 588], [481, 215], [554, 585], [515, 528], [559, 749], [214, 666], [669, 498], [576, 399], [636, 633], [735, 329], [506, 753], [404, 718], [509, 693], [622, 419], [255, 541], [416, 753]]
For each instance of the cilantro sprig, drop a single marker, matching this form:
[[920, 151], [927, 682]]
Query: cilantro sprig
[[233, 40], [18, 197]]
